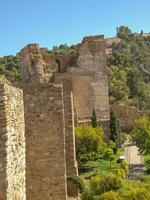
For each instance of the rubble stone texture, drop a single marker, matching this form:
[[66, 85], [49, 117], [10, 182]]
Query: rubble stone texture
[[12, 143], [59, 92]]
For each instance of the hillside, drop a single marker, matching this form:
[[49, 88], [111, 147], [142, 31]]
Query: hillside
[[128, 67]]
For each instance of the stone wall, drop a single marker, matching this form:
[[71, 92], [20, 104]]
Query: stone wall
[[45, 142], [88, 76], [12, 143], [87, 79], [128, 115], [71, 163], [86, 69], [79, 85]]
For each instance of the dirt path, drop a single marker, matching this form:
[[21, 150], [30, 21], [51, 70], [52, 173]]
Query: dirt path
[[134, 160], [132, 155]]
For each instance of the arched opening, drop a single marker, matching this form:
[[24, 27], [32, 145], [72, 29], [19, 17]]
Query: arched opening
[[58, 65]]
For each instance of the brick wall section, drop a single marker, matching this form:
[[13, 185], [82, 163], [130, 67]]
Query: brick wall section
[[89, 79], [45, 138], [128, 115], [71, 163], [12, 139], [84, 75]]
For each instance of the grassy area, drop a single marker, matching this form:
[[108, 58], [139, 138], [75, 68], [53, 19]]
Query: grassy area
[[101, 166]]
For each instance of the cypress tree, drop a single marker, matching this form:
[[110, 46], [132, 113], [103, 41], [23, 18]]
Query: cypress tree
[[113, 126], [94, 119]]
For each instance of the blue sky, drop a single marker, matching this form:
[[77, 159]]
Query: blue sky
[[54, 22]]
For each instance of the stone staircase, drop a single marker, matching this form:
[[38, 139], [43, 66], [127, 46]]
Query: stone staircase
[[135, 171]]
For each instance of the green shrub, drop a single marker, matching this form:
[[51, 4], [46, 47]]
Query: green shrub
[[77, 181], [124, 167], [101, 184], [89, 140], [109, 196], [147, 163], [141, 135], [119, 173], [145, 179], [87, 195], [135, 194], [109, 155]]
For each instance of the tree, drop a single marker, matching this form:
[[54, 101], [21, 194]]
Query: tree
[[94, 119], [118, 88], [141, 134], [113, 126], [129, 71], [89, 139], [109, 155], [123, 32]]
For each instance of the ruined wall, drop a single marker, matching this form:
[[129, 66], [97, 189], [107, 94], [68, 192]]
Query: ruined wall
[[89, 79], [12, 143], [34, 69], [86, 69], [63, 61], [45, 142], [49, 112], [128, 115]]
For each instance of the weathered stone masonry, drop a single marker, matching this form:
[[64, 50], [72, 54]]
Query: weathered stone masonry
[[53, 101], [45, 141], [12, 143]]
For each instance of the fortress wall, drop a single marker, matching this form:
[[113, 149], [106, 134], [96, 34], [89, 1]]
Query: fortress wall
[[89, 80], [45, 137], [49, 112], [12, 143], [71, 163]]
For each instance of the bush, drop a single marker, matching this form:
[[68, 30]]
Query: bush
[[110, 196], [145, 179], [147, 163], [141, 134], [89, 140], [135, 194], [124, 167], [87, 195], [99, 184], [119, 173], [109, 155], [77, 181]]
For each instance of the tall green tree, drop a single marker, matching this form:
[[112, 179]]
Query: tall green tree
[[113, 126], [94, 119]]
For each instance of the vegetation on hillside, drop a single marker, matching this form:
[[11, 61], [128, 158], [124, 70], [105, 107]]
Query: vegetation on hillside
[[10, 67], [63, 49], [129, 69], [141, 134], [101, 174]]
